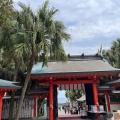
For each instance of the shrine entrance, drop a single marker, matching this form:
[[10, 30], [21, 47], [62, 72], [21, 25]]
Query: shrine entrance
[[77, 71]]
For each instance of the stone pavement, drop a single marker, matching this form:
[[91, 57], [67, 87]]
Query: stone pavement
[[68, 116], [62, 115]]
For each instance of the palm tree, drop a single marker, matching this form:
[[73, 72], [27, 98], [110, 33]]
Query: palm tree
[[35, 37], [60, 35], [112, 54]]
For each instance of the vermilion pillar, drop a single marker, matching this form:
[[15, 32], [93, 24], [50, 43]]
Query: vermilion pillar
[[35, 107], [1, 96], [95, 94], [96, 99], [51, 101], [107, 102]]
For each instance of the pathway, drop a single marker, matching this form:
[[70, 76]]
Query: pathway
[[63, 116], [68, 116]]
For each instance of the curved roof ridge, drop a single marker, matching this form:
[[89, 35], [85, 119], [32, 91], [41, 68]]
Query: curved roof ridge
[[85, 57]]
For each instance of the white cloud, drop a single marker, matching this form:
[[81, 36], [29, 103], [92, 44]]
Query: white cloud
[[87, 31], [73, 50]]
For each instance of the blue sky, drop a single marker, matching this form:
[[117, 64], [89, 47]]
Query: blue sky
[[61, 97], [90, 22]]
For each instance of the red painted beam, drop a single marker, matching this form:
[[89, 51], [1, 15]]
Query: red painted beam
[[69, 75], [71, 82]]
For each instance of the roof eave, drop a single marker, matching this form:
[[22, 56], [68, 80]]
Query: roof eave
[[88, 72]]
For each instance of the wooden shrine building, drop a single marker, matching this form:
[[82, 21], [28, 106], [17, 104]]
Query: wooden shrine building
[[6, 86], [115, 83], [77, 72], [115, 92], [106, 91], [38, 93]]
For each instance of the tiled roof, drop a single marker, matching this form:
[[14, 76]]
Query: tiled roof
[[8, 84], [75, 64]]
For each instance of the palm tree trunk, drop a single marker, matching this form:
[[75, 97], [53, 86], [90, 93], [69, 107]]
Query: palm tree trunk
[[11, 106], [23, 94], [29, 68], [13, 93]]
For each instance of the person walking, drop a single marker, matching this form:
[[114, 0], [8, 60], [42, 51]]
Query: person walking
[[79, 108], [68, 109], [65, 109]]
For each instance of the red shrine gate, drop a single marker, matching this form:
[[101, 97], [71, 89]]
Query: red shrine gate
[[77, 70]]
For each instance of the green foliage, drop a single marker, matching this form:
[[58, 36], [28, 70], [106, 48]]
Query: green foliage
[[41, 102], [72, 95], [40, 35], [40, 114], [7, 13], [113, 54]]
